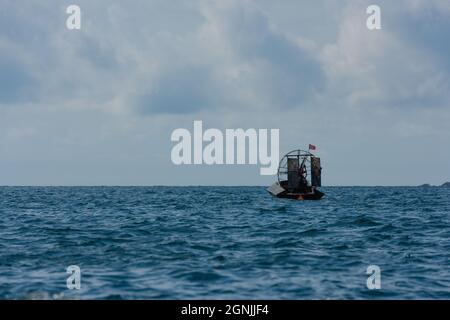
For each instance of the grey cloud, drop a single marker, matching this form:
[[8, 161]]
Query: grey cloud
[[423, 28], [17, 85], [99, 54], [181, 90], [287, 74], [271, 70]]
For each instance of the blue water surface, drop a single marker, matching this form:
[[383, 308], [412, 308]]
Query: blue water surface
[[223, 243]]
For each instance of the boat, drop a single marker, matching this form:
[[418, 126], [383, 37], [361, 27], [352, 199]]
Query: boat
[[299, 176]]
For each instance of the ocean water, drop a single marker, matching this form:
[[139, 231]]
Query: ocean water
[[223, 243]]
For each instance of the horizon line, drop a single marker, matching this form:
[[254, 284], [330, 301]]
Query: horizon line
[[200, 185]]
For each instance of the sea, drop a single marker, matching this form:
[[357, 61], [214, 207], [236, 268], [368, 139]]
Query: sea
[[223, 243]]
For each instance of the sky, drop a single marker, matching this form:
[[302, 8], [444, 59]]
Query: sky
[[97, 106]]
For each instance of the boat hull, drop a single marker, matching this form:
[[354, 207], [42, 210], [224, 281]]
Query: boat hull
[[317, 195], [278, 191]]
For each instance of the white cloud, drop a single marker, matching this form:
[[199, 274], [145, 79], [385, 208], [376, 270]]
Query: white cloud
[[380, 69]]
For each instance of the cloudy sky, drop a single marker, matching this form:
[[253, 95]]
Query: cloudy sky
[[97, 106]]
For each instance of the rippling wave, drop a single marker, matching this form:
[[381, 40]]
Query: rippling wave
[[223, 243]]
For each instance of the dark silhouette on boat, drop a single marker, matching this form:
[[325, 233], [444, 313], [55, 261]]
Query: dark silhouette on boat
[[299, 175]]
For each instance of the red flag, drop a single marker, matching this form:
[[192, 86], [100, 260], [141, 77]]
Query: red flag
[[312, 147]]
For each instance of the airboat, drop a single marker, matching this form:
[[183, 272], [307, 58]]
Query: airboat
[[299, 176]]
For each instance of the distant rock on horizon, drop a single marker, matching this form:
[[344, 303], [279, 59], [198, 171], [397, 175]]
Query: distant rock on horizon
[[446, 185], [425, 185]]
